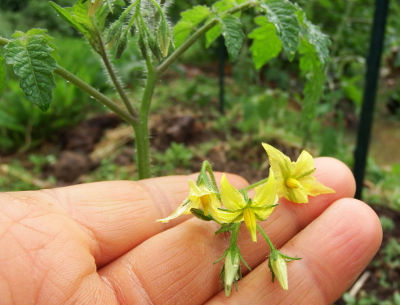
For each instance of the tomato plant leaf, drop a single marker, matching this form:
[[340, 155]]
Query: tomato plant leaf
[[77, 16], [283, 15], [31, 58], [266, 44], [233, 34], [213, 34], [312, 68], [313, 34], [190, 19]]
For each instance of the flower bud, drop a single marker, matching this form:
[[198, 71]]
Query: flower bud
[[94, 6], [232, 264], [277, 264]]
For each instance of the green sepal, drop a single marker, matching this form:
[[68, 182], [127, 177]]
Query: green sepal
[[113, 34], [199, 213], [121, 45], [226, 227]]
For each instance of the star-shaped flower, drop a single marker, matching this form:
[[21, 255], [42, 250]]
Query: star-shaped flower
[[239, 207], [199, 196], [295, 180]]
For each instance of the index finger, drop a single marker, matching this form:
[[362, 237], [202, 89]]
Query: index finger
[[119, 215]]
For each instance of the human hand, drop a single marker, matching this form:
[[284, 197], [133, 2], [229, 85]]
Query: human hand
[[98, 243]]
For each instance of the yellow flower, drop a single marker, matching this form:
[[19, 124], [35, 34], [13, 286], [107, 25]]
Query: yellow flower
[[199, 196], [239, 208], [295, 180]]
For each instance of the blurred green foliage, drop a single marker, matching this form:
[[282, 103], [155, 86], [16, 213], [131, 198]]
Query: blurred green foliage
[[23, 126]]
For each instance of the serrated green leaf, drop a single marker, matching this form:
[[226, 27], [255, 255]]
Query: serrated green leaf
[[190, 19], [31, 57], [2, 75], [233, 34], [282, 14], [266, 44], [313, 34], [313, 71], [213, 34], [77, 16]]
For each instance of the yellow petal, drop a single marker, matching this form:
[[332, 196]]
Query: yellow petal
[[228, 216], [280, 163], [262, 214], [184, 208], [210, 203], [303, 166], [230, 196], [198, 191], [318, 189], [297, 195], [266, 193], [251, 222]]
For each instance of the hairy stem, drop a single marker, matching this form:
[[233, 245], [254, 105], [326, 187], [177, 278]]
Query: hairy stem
[[141, 127], [95, 94], [114, 78], [270, 244]]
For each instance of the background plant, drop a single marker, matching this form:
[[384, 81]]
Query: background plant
[[285, 28]]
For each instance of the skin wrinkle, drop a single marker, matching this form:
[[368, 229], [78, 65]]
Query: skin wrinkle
[[133, 275], [181, 232], [111, 288]]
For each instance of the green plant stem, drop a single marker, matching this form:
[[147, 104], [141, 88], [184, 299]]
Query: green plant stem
[[251, 186], [141, 127], [234, 235], [270, 244], [114, 78], [4, 41], [206, 167], [200, 32], [95, 94]]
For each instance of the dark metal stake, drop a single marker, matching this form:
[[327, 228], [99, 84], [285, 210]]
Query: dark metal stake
[[371, 80]]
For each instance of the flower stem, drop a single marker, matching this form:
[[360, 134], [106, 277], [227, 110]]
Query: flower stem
[[271, 246], [251, 186]]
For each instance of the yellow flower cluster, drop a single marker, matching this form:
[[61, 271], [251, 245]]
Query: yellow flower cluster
[[291, 180]]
